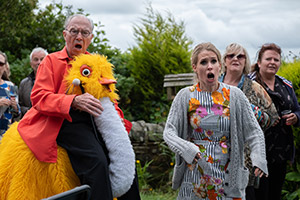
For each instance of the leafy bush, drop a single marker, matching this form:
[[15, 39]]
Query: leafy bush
[[162, 48], [292, 184], [39, 27], [291, 71], [125, 82], [20, 69], [124, 86], [16, 17]]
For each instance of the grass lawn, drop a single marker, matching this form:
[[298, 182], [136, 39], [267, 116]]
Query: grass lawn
[[158, 195]]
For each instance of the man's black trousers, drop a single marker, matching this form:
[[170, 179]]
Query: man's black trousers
[[89, 156]]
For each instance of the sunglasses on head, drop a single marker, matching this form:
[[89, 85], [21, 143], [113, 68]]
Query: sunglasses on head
[[2, 64], [239, 56]]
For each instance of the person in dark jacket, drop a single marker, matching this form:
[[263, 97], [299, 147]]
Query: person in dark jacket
[[279, 138], [36, 57]]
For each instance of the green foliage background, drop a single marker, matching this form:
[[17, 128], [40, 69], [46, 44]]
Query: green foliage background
[[291, 71], [161, 48]]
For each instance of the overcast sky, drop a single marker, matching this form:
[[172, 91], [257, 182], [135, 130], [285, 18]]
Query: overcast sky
[[248, 22]]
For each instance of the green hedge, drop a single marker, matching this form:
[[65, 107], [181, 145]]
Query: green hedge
[[291, 71]]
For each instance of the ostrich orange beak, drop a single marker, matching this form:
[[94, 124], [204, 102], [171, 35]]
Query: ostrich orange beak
[[106, 82]]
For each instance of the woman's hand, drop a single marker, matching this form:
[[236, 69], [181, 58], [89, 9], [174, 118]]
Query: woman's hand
[[276, 122], [259, 172], [290, 119], [14, 104], [198, 156], [5, 102]]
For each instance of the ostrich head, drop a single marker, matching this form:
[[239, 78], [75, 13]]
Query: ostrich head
[[91, 73]]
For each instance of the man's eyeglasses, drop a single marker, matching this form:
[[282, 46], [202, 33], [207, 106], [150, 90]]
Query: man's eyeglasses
[[239, 56], [75, 32], [2, 64]]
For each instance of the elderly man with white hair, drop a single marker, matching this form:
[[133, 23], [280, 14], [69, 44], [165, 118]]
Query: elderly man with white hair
[[36, 57]]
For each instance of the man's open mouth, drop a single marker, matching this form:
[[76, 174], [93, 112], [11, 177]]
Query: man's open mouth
[[78, 46]]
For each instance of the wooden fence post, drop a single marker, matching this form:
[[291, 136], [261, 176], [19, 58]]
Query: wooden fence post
[[171, 81]]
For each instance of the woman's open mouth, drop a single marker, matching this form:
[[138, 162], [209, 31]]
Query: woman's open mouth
[[210, 76]]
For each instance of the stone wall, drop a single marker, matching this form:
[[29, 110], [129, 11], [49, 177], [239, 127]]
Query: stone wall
[[145, 138], [148, 144]]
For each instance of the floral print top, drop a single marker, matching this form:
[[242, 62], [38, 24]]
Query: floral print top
[[7, 113], [209, 116]]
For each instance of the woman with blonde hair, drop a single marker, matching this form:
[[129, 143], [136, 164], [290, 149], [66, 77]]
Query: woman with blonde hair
[[236, 67], [207, 127]]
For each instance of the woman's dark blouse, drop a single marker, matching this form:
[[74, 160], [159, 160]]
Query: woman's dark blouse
[[279, 138]]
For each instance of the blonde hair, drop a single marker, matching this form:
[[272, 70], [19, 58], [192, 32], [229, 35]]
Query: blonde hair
[[6, 73], [202, 47], [236, 49], [4, 55]]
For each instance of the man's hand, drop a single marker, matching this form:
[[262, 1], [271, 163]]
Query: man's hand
[[88, 103]]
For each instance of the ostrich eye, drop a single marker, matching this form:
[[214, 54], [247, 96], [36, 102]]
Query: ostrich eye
[[85, 70]]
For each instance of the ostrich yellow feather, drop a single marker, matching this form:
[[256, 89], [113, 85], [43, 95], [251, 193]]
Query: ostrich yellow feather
[[24, 177], [99, 68]]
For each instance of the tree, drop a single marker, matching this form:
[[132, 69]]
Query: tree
[[48, 26], [15, 24], [44, 29], [24, 30], [162, 48], [125, 82]]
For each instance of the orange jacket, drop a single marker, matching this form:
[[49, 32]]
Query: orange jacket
[[41, 124]]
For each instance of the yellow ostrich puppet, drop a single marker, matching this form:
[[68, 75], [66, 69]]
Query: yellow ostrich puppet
[[22, 176]]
